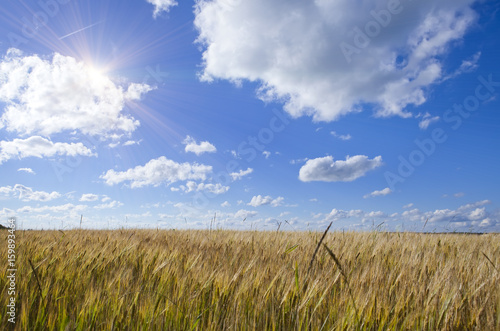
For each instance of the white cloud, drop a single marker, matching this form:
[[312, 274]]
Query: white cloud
[[156, 172], [259, 200], [162, 6], [191, 186], [25, 193], [408, 205], [225, 204], [37, 146], [89, 197], [51, 96], [110, 205], [266, 154], [385, 191], [297, 161], [459, 194], [426, 120], [55, 209], [296, 51], [327, 170], [341, 136], [243, 214], [28, 170], [198, 149], [131, 142], [240, 174], [473, 216]]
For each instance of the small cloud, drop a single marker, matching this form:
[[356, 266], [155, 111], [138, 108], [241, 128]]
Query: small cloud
[[225, 204], [259, 200], [240, 174], [28, 170], [341, 136], [162, 6], [193, 147], [131, 142], [111, 205], [427, 120], [313, 200], [244, 214], [266, 154], [297, 161], [408, 206], [89, 197], [459, 194], [383, 192]]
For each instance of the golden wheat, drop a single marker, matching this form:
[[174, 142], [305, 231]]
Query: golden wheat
[[243, 280]]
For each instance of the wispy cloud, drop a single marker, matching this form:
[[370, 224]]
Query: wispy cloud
[[28, 170]]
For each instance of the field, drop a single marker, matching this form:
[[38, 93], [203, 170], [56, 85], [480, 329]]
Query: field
[[248, 280]]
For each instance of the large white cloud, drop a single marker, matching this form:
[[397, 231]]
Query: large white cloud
[[156, 172], [326, 170], [48, 96], [40, 147], [312, 56]]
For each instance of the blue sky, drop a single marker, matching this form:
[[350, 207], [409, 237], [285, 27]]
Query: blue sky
[[373, 115]]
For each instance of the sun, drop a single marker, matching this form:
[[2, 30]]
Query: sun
[[98, 76]]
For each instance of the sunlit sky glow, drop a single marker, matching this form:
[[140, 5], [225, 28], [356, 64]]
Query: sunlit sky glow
[[374, 114]]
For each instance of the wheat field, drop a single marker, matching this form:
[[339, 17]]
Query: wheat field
[[249, 280]]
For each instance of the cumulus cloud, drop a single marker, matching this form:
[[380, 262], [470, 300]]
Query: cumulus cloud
[[240, 174], [225, 204], [329, 58], [375, 193], [162, 6], [49, 96], [193, 147], [326, 170], [27, 170], [40, 147], [156, 172], [89, 197], [260, 200], [25, 193]]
